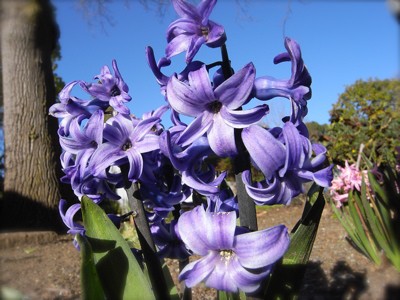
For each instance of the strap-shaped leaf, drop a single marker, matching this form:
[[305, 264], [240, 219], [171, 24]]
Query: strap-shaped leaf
[[90, 281], [118, 269], [286, 280]]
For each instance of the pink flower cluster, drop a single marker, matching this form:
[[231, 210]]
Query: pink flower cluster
[[348, 179]]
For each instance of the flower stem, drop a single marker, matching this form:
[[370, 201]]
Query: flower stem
[[247, 210], [147, 244]]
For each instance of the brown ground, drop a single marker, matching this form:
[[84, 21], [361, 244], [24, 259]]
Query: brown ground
[[46, 266]]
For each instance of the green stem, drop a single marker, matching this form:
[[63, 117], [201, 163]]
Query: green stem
[[152, 261], [247, 210]]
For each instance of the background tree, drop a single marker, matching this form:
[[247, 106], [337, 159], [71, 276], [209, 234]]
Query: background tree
[[367, 112], [317, 132], [29, 35]]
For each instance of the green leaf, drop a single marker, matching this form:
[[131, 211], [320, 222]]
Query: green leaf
[[173, 291], [286, 280], [222, 295], [90, 281], [118, 269], [362, 231]]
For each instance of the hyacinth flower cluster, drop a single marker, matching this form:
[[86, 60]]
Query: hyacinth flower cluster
[[105, 147], [349, 179]]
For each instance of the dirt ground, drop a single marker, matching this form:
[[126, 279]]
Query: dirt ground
[[46, 266]]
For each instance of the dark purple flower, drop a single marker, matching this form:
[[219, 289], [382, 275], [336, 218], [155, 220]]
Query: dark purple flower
[[223, 201], [193, 29], [166, 238], [229, 261], [110, 89], [125, 141], [190, 162], [296, 89], [215, 111], [286, 162]]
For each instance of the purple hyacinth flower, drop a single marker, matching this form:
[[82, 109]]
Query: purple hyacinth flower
[[297, 88], [110, 89], [229, 261], [83, 141], [286, 162], [216, 111], [193, 29], [125, 139]]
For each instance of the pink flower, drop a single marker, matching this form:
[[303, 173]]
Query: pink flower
[[348, 179]]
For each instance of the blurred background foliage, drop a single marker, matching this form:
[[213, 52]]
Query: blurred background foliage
[[366, 112]]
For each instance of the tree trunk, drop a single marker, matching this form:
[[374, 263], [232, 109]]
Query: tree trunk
[[31, 185]]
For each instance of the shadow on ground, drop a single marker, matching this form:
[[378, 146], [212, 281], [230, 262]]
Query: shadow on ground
[[345, 283]]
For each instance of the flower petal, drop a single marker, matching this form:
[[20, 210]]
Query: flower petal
[[245, 280], [216, 231], [184, 99], [265, 150], [243, 118], [198, 270], [196, 129], [261, 248], [222, 138], [234, 92]]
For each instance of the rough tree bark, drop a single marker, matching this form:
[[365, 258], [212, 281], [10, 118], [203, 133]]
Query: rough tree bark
[[31, 185]]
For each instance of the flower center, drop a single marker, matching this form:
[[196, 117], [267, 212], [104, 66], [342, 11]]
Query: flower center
[[204, 31], [115, 91], [127, 146], [226, 255], [214, 106], [93, 144]]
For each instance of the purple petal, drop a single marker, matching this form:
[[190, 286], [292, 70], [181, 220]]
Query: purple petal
[[267, 246], [322, 177], [135, 164], [64, 95], [216, 231], [161, 78], [235, 91], [294, 148], [243, 118], [216, 35], [118, 105], [265, 150], [246, 281], [197, 271], [177, 45], [199, 82], [149, 143], [263, 193], [205, 8], [143, 128], [196, 129], [222, 138], [191, 178], [220, 277], [106, 155], [94, 127], [194, 47], [184, 99], [184, 8]]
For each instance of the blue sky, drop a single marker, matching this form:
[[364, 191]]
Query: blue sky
[[341, 41]]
